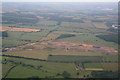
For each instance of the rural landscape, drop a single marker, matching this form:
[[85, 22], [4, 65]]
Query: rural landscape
[[59, 40]]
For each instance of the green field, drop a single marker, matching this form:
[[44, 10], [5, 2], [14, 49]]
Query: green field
[[92, 65], [12, 43], [110, 58], [15, 39], [110, 66], [69, 58], [43, 54], [47, 69], [46, 22]]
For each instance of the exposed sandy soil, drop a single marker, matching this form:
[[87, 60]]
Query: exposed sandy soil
[[100, 25], [19, 29]]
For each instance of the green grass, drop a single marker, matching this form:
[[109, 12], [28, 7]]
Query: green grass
[[43, 54], [15, 39], [52, 69], [47, 22], [110, 66], [78, 25], [25, 72], [33, 36], [74, 58], [11, 43], [92, 65], [40, 54], [110, 58], [5, 68]]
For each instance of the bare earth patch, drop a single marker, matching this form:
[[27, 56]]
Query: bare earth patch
[[19, 29]]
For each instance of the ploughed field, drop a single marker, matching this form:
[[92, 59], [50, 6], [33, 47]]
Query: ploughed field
[[19, 29]]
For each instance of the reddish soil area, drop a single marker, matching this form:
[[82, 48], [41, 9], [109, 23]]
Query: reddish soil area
[[69, 46], [79, 46], [19, 29]]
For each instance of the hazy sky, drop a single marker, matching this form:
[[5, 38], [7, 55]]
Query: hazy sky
[[60, 0]]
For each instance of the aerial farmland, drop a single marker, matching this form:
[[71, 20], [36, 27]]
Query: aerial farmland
[[59, 40]]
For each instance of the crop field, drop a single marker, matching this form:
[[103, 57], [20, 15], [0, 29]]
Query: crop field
[[78, 53], [111, 58], [36, 35], [47, 23], [20, 38], [69, 58], [41, 52], [77, 27], [45, 27], [70, 24], [19, 29], [12, 43], [94, 69], [83, 26], [93, 65], [100, 25], [110, 66]]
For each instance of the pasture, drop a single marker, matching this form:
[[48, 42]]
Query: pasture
[[92, 65], [42, 52], [15, 39], [46, 22], [7, 43], [110, 66], [71, 58], [47, 69]]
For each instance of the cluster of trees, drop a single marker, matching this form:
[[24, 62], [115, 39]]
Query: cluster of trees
[[109, 37], [4, 34], [66, 36]]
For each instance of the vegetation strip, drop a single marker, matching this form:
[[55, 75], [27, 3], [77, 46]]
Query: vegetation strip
[[23, 57]]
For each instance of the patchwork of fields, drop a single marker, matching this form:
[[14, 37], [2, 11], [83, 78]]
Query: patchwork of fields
[[59, 41]]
